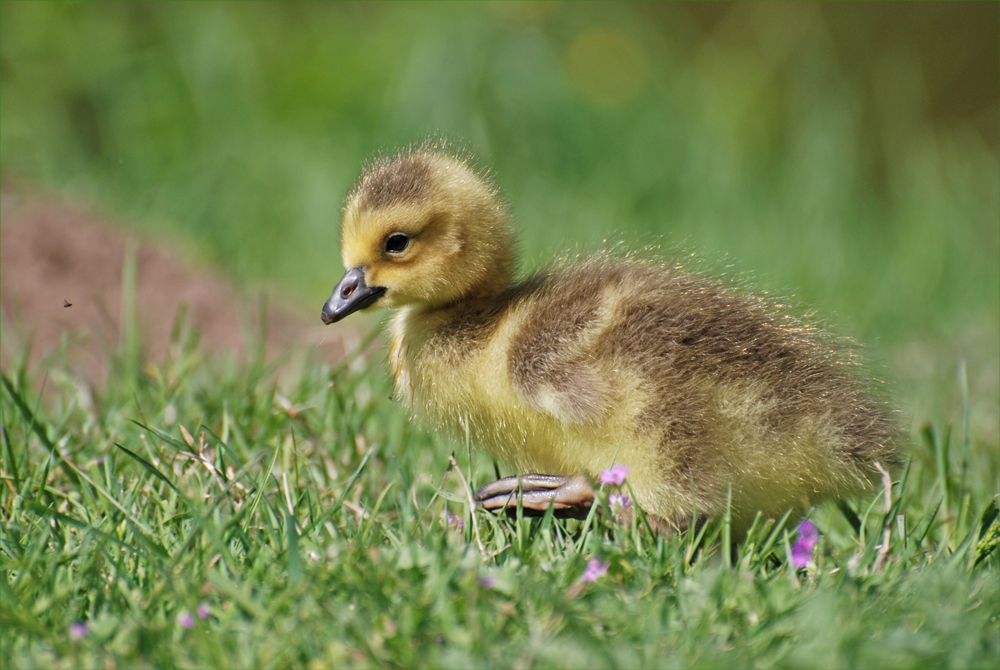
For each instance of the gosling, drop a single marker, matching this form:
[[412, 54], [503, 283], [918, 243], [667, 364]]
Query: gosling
[[714, 399]]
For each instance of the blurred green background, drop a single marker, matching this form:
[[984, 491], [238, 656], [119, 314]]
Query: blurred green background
[[843, 155]]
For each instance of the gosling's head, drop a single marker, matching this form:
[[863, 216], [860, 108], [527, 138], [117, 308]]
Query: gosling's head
[[420, 228]]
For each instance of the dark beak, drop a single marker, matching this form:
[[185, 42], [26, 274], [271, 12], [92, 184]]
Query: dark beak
[[350, 295]]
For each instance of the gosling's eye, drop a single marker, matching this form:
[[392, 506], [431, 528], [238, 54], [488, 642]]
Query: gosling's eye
[[397, 243]]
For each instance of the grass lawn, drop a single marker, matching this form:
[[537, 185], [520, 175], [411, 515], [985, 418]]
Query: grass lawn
[[195, 512], [194, 516]]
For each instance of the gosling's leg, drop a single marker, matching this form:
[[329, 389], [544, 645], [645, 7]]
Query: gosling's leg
[[571, 496]]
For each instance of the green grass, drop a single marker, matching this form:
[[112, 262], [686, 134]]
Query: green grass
[[310, 520], [312, 523]]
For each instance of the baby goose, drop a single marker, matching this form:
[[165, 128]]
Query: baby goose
[[706, 394]]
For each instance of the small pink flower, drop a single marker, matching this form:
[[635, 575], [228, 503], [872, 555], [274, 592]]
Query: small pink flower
[[487, 582], [185, 620], [619, 501], [78, 630], [595, 570], [615, 475], [455, 521], [805, 544], [203, 611]]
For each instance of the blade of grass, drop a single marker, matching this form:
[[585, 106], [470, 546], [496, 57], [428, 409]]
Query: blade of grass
[[354, 478], [219, 442], [260, 491], [152, 469], [774, 535], [176, 444], [852, 517], [38, 429], [15, 473], [293, 560]]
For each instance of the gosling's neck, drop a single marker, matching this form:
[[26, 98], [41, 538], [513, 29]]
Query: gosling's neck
[[497, 278], [416, 323], [484, 268]]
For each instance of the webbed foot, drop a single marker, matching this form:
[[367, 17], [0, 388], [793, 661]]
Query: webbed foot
[[571, 496]]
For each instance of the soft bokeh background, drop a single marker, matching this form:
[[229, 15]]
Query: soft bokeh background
[[843, 155]]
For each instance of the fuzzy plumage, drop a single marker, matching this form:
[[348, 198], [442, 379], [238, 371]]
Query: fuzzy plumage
[[698, 388]]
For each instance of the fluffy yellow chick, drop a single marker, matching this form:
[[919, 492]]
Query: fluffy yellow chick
[[705, 393]]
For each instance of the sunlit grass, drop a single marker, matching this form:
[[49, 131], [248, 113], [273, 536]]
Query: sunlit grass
[[314, 525]]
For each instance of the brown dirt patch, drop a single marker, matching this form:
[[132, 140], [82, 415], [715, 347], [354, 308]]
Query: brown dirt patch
[[61, 285]]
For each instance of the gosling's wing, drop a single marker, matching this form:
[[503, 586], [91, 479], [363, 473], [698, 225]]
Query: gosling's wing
[[552, 361], [571, 391]]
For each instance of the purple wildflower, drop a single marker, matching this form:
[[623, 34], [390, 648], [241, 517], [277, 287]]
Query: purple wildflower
[[805, 543], [455, 521], [203, 611], [487, 582], [615, 475], [78, 630], [185, 620], [619, 501], [595, 570]]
